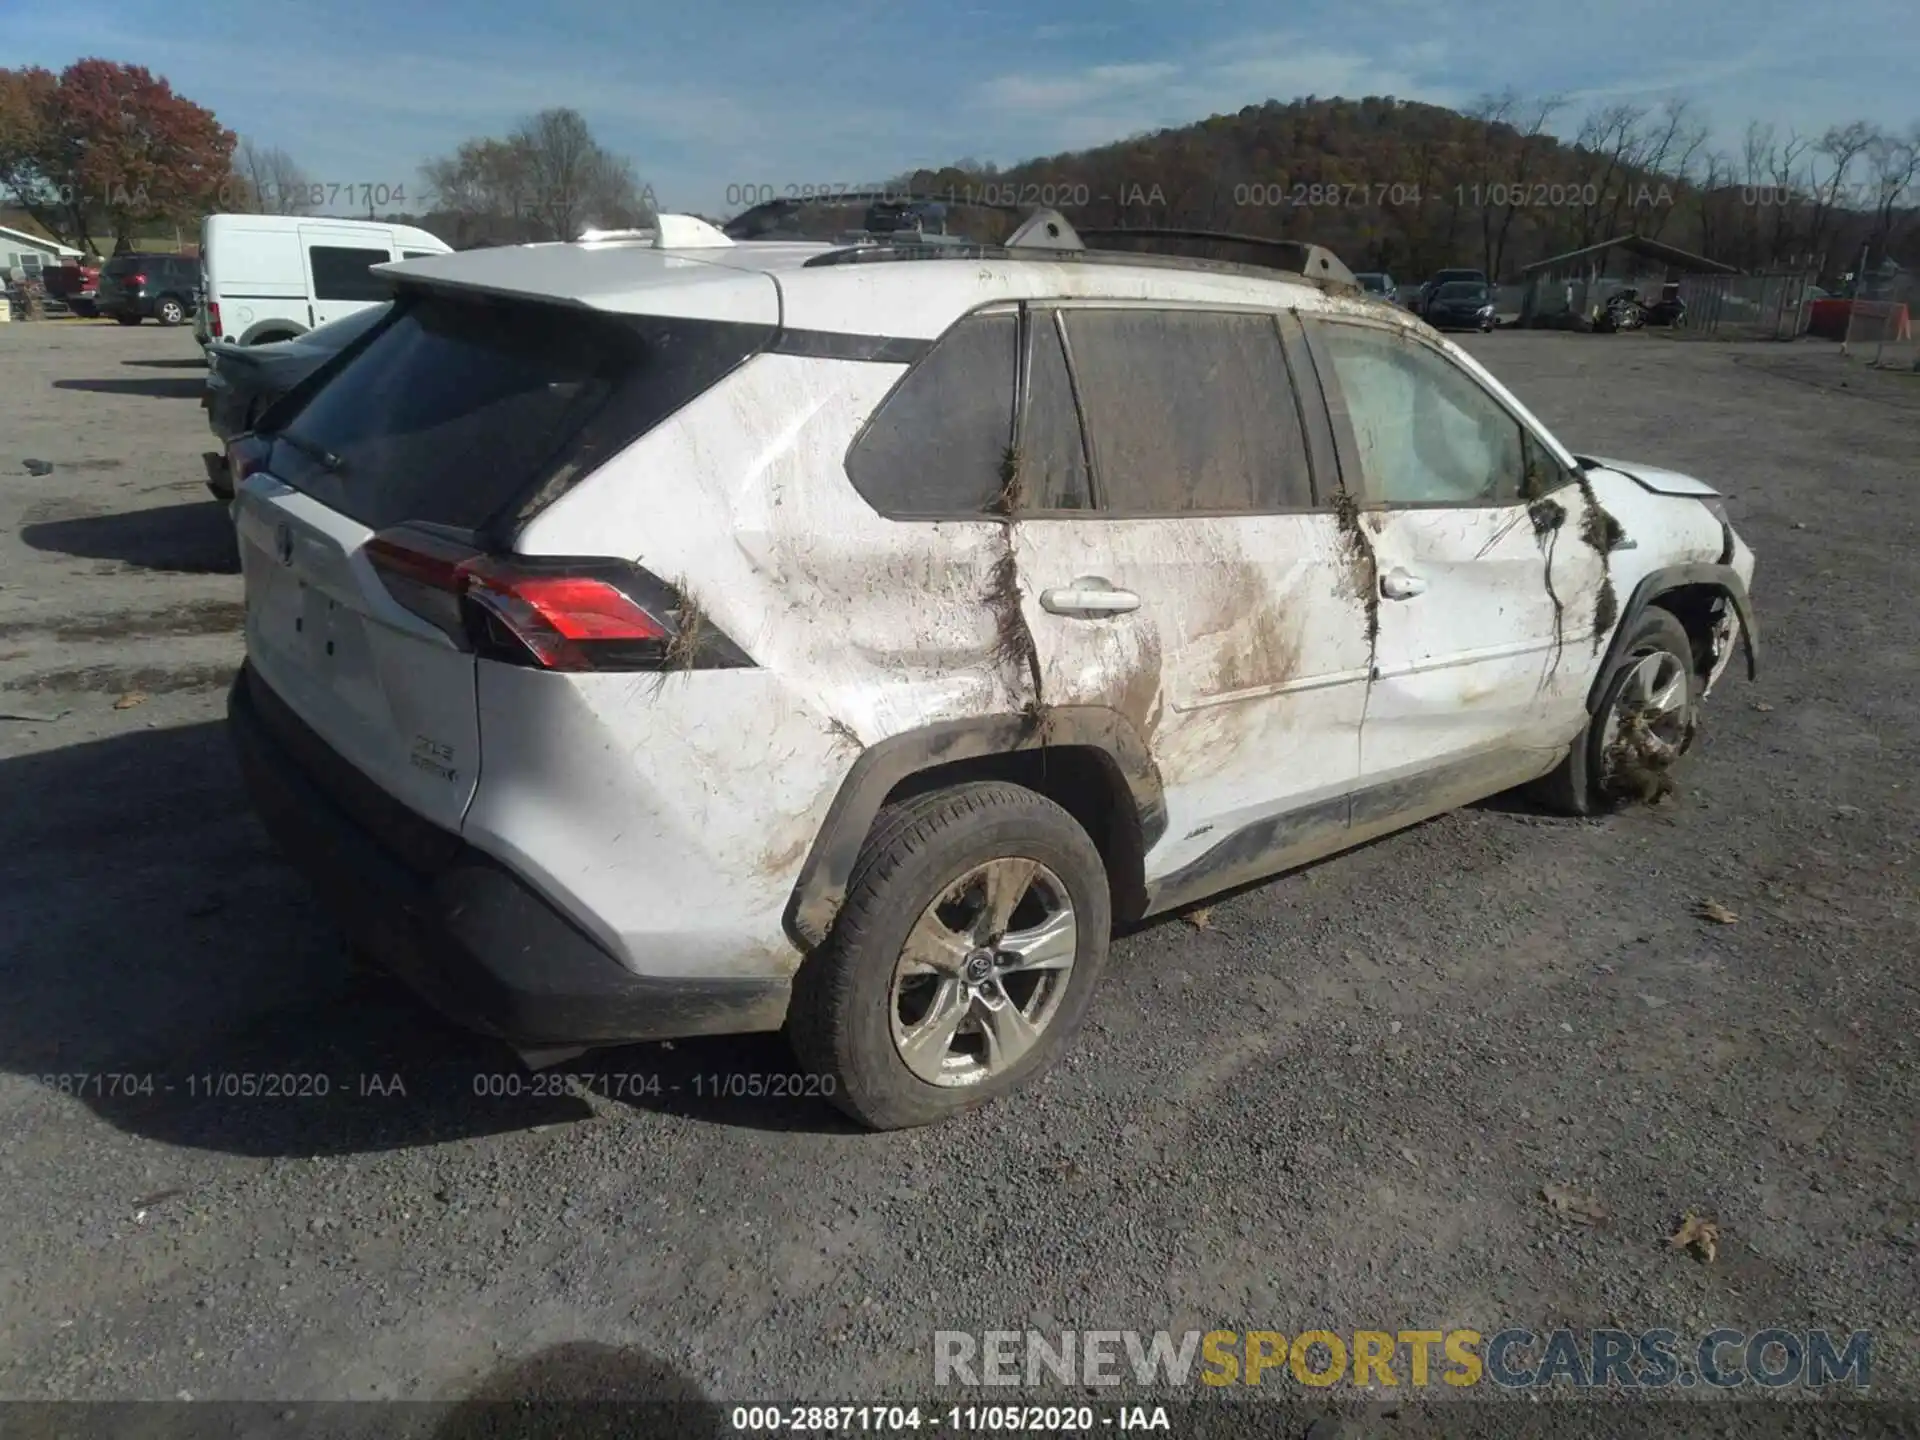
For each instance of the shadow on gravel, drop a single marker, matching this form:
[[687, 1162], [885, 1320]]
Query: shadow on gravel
[[189, 387], [159, 956], [195, 538], [584, 1389]]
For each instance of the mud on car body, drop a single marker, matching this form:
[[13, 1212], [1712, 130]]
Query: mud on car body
[[668, 636]]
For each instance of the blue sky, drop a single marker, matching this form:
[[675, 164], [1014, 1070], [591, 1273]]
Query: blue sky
[[753, 92]]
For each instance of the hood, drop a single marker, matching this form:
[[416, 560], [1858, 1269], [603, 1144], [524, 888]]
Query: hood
[[1651, 477]]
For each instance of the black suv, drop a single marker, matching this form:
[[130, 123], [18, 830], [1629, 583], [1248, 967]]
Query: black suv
[[137, 287]]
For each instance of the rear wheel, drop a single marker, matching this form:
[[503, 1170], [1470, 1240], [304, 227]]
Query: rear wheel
[[974, 930], [1645, 721], [169, 311]]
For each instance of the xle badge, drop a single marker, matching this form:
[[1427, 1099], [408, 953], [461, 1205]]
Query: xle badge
[[433, 757]]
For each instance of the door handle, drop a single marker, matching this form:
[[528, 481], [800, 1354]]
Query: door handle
[[1399, 584], [1089, 595]]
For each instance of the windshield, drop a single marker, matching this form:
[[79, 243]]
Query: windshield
[[1463, 290], [1374, 284]]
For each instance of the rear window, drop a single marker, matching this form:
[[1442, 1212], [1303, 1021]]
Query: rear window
[[457, 411]]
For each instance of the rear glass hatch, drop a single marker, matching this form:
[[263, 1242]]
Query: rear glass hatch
[[375, 532]]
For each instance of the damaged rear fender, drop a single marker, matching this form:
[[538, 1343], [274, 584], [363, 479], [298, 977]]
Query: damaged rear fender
[[1080, 740], [1721, 578]]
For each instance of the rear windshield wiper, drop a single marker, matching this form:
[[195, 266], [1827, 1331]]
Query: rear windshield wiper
[[317, 453]]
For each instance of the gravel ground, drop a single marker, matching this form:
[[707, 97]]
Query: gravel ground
[[1336, 1105]]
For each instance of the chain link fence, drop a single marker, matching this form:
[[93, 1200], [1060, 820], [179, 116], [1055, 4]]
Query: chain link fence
[[1880, 324], [1748, 307]]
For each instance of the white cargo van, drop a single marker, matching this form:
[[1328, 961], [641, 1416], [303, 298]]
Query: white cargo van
[[272, 277]]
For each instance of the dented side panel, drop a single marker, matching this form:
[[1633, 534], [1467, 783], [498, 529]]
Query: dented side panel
[[861, 628], [1244, 668], [1464, 664]]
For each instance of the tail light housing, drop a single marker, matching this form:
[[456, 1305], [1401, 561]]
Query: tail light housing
[[213, 320], [246, 453], [137, 279], [546, 612]]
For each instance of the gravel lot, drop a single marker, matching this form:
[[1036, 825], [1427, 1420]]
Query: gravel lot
[[1336, 1105]]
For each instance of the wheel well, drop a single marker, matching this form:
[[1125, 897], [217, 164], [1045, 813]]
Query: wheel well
[[1080, 779], [1696, 607]]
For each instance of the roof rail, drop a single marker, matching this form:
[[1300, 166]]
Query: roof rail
[[1298, 257]]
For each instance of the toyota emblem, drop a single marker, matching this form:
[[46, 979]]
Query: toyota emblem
[[283, 543]]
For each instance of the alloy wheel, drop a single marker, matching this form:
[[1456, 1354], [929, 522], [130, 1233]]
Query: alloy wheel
[[983, 972]]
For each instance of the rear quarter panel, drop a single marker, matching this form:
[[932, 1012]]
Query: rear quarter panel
[[861, 628]]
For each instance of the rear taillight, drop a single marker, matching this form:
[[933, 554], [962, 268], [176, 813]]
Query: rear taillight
[[546, 612], [246, 453], [136, 279], [213, 320]]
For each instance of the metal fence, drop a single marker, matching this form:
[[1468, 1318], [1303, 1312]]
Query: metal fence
[[1749, 307], [1880, 324]]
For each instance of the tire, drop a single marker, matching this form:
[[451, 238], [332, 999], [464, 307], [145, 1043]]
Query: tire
[[169, 312], [851, 998], [127, 319], [1589, 781]]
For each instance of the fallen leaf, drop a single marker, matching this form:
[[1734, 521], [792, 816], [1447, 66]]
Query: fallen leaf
[[1716, 912], [1201, 919], [129, 700], [1581, 1209], [1698, 1234]]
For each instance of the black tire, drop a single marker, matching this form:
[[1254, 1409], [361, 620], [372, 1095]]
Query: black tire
[[839, 1023], [169, 311], [1578, 786], [127, 319]]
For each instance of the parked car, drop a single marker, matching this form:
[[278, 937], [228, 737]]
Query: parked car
[[148, 286], [1447, 277], [272, 277], [1377, 283], [699, 637], [243, 381], [1460, 305], [74, 285]]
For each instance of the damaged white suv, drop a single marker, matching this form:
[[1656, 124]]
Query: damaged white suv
[[672, 636]]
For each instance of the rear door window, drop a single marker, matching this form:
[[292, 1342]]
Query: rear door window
[[457, 410], [1189, 410], [343, 273], [938, 445]]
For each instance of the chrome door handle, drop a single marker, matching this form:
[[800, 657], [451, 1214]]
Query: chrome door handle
[[1399, 584], [1089, 595]]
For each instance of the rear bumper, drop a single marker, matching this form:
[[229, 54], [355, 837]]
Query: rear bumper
[[467, 935]]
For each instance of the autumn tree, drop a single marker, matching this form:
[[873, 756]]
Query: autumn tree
[[107, 147]]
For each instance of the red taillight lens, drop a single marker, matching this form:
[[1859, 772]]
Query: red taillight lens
[[136, 279], [213, 320], [246, 453], [557, 614]]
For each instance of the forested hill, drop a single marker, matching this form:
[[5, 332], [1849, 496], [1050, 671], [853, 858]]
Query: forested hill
[[1405, 186]]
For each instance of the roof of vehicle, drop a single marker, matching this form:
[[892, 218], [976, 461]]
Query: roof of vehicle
[[838, 288]]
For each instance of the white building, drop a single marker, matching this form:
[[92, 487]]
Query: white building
[[22, 250]]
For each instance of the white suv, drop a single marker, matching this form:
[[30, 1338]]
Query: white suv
[[668, 636]]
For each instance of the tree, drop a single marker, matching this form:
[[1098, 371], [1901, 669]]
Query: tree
[[267, 182], [108, 145], [548, 180], [1894, 161]]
